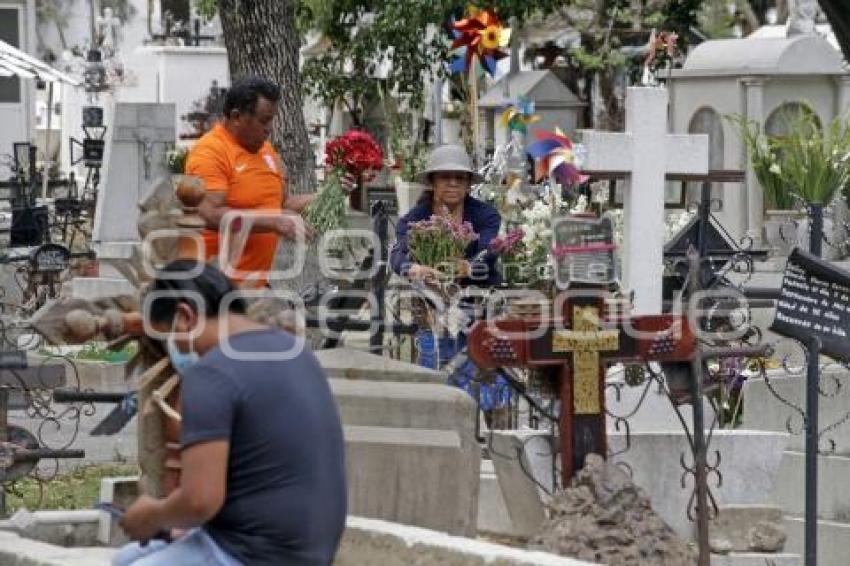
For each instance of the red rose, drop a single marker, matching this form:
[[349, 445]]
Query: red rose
[[356, 152]]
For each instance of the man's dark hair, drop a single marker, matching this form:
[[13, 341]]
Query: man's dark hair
[[244, 93], [211, 284]]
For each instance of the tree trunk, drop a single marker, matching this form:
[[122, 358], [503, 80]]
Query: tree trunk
[[261, 39]]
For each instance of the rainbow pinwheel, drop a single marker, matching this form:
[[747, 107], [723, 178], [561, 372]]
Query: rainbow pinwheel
[[554, 155], [517, 117], [479, 37]]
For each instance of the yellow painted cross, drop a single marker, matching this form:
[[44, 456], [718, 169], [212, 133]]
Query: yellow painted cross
[[585, 340]]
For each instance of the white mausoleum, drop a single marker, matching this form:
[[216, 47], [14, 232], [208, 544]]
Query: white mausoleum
[[762, 79]]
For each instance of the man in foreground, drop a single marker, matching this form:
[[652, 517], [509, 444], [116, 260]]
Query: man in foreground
[[263, 473]]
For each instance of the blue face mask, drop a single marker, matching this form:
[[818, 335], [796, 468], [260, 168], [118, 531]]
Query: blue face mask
[[180, 361]]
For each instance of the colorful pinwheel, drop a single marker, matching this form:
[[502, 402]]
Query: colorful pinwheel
[[517, 117], [479, 37], [555, 156]]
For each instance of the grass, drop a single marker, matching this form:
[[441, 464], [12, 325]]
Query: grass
[[76, 489], [94, 352]]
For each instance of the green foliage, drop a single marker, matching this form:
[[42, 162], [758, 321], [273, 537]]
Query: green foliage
[[206, 8], [94, 352], [606, 26], [77, 489], [405, 140], [405, 39], [809, 164], [816, 161], [764, 161]]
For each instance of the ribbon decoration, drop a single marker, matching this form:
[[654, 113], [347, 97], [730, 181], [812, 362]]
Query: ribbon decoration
[[555, 156], [517, 117], [479, 38]]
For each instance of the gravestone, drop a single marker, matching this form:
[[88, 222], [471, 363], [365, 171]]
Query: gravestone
[[134, 163], [646, 152], [411, 451]]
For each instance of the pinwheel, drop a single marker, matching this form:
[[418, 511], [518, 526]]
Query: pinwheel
[[555, 156], [517, 117], [479, 37]]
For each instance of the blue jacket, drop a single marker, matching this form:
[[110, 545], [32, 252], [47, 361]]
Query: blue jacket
[[485, 221]]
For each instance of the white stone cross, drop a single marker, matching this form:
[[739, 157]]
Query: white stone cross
[[647, 153]]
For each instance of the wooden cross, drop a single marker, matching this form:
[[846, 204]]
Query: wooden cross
[[573, 350]]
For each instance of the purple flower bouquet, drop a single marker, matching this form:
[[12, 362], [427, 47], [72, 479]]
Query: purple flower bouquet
[[439, 242]]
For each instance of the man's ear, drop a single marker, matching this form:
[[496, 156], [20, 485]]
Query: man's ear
[[186, 317]]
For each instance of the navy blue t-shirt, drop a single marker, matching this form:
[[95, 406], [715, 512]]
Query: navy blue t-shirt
[[286, 492]]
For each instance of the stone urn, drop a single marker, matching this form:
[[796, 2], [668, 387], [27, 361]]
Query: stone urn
[[407, 193]]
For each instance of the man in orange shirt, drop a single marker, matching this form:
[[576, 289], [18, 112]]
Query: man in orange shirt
[[242, 171]]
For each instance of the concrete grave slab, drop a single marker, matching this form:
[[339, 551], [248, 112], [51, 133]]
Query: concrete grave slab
[[833, 472], [492, 512], [367, 541], [73, 527], [762, 410], [405, 405], [413, 476], [833, 540], [121, 492], [19, 551], [749, 463], [354, 364]]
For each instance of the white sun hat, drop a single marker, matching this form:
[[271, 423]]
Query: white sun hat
[[449, 158]]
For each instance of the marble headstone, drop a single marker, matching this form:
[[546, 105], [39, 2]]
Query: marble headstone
[[134, 163], [646, 152]]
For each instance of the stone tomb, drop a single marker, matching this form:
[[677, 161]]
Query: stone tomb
[[411, 452], [762, 410]]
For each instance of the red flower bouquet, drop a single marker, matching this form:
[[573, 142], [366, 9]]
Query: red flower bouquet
[[354, 153]]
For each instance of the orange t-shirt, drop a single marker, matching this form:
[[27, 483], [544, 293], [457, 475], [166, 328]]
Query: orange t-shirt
[[251, 181]]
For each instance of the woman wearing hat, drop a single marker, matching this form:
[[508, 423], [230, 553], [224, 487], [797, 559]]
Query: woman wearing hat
[[449, 177]]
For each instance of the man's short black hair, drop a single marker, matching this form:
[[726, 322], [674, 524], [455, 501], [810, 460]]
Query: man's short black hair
[[244, 93], [211, 284]]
